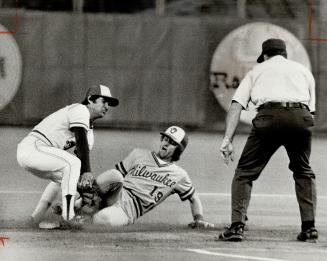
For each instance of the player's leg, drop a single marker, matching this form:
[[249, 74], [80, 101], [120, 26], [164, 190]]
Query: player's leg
[[110, 185], [55, 164], [49, 195], [70, 177], [255, 156], [304, 177], [113, 216], [298, 147], [257, 151]]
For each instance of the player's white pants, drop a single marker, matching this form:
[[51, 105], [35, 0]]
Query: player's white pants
[[110, 184], [51, 163]]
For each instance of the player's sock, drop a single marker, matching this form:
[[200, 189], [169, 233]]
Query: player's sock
[[68, 207], [48, 196]]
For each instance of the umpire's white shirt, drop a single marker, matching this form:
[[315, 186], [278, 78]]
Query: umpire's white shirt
[[277, 80]]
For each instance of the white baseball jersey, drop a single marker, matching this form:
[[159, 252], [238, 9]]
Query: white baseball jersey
[[56, 127], [42, 152], [148, 181]]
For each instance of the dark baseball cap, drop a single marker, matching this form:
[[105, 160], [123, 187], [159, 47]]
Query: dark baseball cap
[[271, 44], [102, 91]]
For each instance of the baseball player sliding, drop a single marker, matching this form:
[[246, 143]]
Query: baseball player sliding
[[143, 180], [43, 152]]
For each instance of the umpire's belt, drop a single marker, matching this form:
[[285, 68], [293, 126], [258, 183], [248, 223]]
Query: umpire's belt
[[279, 105]]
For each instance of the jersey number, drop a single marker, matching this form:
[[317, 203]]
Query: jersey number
[[157, 195]]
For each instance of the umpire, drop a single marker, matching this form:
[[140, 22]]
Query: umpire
[[283, 92]]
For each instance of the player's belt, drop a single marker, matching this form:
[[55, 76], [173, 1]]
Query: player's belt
[[279, 105], [41, 136]]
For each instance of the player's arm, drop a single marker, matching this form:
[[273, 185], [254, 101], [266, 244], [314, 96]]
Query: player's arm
[[232, 120], [312, 100], [83, 153], [186, 191], [196, 207], [197, 213], [240, 101]]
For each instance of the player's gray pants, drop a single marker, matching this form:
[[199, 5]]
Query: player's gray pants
[[272, 128]]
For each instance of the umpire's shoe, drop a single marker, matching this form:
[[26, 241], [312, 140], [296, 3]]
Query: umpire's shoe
[[310, 235], [233, 233]]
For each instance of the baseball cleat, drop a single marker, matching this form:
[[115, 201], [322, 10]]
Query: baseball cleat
[[246, 227], [76, 223], [233, 233], [310, 235], [49, 225]]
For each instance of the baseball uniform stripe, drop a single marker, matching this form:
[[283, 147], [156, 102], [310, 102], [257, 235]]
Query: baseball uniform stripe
[[188, 194], [120, 167], [157, 161], [117, 168], [59, 158], [40, 133], [143, 208], [78, 124], [147, 208], [136, 203]]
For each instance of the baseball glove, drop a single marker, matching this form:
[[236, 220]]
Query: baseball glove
[[91, 199], [86, 181], [201, 224]]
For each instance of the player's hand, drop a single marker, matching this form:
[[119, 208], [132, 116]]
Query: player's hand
[[86, 181], [90, 202], [201, 224], [227, 150]]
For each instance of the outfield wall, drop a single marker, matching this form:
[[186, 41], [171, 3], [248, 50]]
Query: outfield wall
[[159, 67]]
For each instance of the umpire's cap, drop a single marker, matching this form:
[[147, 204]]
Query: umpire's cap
[[271, 44], [102, 91], [178, 135]]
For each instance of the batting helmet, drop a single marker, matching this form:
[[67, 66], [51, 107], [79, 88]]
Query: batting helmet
[[178, 135]]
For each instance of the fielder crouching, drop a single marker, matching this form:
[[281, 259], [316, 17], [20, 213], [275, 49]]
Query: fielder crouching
[[143, 180], [44, 152]]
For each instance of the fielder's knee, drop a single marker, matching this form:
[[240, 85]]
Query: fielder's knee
[[71, 169]]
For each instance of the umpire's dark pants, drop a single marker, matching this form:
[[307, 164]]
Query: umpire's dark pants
[[274, 127]]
